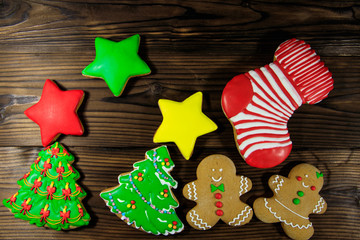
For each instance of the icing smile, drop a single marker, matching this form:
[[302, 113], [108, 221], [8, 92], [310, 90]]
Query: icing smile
[[305, 185], [216, 180]]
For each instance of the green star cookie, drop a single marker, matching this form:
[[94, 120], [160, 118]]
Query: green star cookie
[[117, 62]]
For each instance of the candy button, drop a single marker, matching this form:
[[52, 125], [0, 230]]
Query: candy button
[[313, 188], [219, 212], [296, 201], [299, 178], [300, 193], [219, 204], [218, 196]]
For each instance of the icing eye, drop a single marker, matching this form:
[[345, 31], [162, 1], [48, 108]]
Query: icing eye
[[298, 178], [313, 188], [220, 169], [306, 175], [213, 170]]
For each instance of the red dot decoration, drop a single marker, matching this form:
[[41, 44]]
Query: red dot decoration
[[174, 222], [218, 196], [299, 178], [165, 190], [140, 174], [132, 202], [218, 204], [313, 188], [166, 160], [219, 212]]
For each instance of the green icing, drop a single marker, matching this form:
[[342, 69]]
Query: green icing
[[116, 62], [31, 203], [148, 188]]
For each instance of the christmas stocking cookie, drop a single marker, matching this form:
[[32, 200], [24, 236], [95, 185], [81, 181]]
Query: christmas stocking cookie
[[294, 199], [259, 103], [216, 192]]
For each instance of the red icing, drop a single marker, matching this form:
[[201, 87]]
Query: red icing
[[174, 222], [219, 212], [55, 113], [313, 188], [267, 158], [299, 178], [64, 216], [165, 190], [140, 174], [66, 193], [218, 196], [44, 214], [236, 96], [166, 159], [219, 204], [132, 202], [51, 191]]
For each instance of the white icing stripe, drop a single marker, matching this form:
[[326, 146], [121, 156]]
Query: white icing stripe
[[253, 140], [195, 194], [253, 109], [277, 88], [198, 221], [260, 124], [286, 83], [261, 146], [319, 206], [271, 102], [243, 182], [249, 116], [276, 180], [284, 220], [263, 85], [261, 131], [189, 191], [268, 107], [247, 210], [291, 210]]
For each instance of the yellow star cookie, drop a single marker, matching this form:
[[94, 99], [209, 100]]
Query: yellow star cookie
[[183, 122]]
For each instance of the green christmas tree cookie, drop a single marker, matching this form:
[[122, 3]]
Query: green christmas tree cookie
[[144, 198], [49, 195]]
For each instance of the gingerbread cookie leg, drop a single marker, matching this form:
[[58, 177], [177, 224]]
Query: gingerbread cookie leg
[[199, 218], [262, 212], [242, 215], [296, 233]]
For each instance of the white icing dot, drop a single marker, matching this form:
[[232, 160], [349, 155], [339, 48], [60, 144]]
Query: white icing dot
[[220, 169], [213, 170], [306, 175]]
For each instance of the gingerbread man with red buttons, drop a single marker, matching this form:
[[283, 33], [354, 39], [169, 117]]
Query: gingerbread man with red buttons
[[216, 192]]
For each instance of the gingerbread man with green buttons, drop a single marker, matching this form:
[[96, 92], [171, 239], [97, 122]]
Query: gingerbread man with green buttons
[[294, 199], [216, 192]]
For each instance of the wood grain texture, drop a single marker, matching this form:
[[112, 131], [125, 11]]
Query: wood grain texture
[[190, 46]]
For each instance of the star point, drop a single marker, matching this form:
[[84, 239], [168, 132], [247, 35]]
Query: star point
[[56, 112], [183, 122], [117, 62]]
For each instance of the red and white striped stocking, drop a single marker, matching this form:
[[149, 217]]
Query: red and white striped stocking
[[259, 103]]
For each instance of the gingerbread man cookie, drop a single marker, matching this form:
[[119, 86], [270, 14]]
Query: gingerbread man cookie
[[216, 192], [294, 199]]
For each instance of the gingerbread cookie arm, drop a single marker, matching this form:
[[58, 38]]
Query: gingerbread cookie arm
[[320, 206], [276, 182], [190, 191], [245, 184]]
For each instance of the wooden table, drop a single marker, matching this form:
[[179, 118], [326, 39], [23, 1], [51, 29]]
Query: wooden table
[[190, 46]]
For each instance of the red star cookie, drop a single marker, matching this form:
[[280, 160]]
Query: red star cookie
[[55, 113]]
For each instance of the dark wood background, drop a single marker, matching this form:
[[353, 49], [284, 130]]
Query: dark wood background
[[190, 46]]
